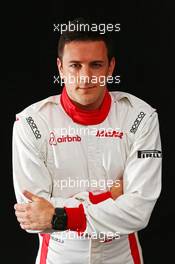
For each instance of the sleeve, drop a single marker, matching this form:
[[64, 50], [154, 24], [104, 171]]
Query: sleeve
[[29, 166], [30, 171], [142, 185]]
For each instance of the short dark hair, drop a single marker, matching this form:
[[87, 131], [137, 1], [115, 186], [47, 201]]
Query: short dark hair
[[86, 35]]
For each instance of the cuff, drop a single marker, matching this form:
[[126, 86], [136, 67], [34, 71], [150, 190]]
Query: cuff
[[99, 197], [76, 219]]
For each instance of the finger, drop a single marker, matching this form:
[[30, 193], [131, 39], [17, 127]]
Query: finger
[[25, 226], [21, 207], [21, 221], [22, 218], [118, 183], [23, 215], [121, 182], [20, 214], [31, 196]]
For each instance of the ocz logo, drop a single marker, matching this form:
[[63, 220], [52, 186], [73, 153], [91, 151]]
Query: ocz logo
[[33, 126], [137, 122]]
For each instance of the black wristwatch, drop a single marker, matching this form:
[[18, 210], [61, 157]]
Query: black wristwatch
[[59, 220]]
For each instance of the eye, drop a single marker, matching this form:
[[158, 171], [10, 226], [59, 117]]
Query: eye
[[96, 65], [75, 66]]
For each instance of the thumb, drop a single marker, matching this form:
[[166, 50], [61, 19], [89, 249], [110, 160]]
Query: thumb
[[32, 197]]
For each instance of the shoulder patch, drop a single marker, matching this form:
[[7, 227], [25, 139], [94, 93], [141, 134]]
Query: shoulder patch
[[137, 122], [33, 127]]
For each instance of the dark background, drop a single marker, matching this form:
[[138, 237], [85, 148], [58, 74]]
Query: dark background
[[145, 61]]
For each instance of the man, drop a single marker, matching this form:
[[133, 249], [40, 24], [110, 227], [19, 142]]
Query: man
[[121, 140]]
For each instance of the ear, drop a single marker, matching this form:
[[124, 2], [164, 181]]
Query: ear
[[60, 67], [111, 66]]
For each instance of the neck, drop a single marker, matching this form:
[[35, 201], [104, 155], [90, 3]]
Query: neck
[[91, 114], [93, 106]]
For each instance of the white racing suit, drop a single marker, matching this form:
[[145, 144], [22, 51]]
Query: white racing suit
[[65, 168]]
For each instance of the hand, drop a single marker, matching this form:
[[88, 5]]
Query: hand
[[117, 189], [35, 215]]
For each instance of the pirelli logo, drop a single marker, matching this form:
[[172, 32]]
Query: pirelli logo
[[149, 154]]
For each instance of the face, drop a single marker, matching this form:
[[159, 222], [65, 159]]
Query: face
[[84, 67]]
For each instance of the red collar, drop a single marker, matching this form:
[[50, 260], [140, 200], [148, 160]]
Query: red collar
[[86, 117]]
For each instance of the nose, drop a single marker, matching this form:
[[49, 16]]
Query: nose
[[85, 76]]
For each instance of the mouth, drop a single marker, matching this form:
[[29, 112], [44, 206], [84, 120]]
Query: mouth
[[87, 88]]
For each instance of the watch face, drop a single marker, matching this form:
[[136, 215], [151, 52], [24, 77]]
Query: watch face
[[55, 222], [59, 221]]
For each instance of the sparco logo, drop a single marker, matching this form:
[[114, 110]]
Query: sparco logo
[[33, 126], [149, 154], [53, 140], [137, 122], [113, 133]]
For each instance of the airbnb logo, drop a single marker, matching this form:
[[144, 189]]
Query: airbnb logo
[[113, 133], [53, 140]]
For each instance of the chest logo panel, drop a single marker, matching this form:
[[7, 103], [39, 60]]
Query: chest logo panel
[[111, 133], [54, 140]]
